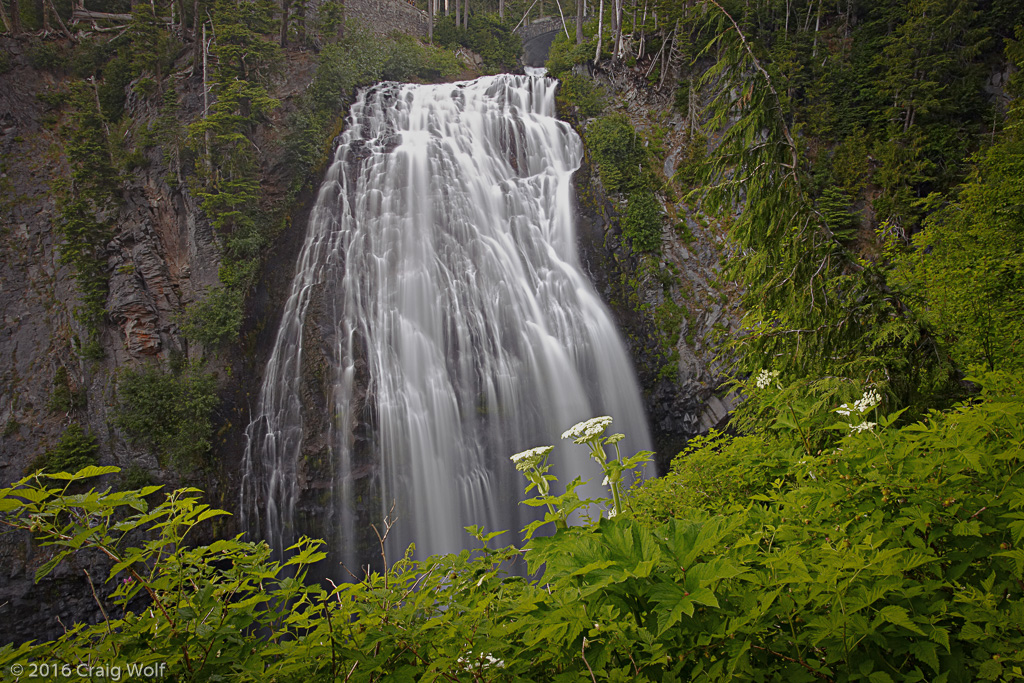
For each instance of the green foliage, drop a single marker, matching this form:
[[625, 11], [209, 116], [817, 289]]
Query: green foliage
[[564, 53], [642, 222], [834, 208], [48, 56], [812, 302], [84, 202], [582, 93], [77, 448], [168, 413], [63, 398], [487, 35], [331, 18], [216, 319], [10, 428], [117, 74], [407, 59], [966, 270], [5, 63], [891, 552], [133, 478], [618, 152], [691, 160], [890, 555]]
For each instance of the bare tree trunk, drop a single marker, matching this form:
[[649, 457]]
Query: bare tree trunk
[[458, 13], [817, 25], [206, 106], [41, 11], [99, 108], [465, 14], [300, 14], [430, 21], [501, 10], [3, 17], [15, 18], [447, 9], [197, 38], [562, 17], [285, 6], [617, 27], [579, 22], [670, 56], [691, 107], [60, 22], [600, 27], [643, 34]]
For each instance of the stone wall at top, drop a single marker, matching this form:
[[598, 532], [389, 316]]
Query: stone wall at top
[[386, 16]]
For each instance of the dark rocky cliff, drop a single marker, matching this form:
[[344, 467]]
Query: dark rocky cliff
[[163, 255], [679, 371]]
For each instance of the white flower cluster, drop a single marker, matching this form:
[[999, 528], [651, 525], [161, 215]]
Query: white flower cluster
[[869, 400], [581, 432], [863, 426], [765, 377], [486, 662], [531, 458]]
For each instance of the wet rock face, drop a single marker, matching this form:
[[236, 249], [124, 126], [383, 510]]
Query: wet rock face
[[682, 383], [161, 257]]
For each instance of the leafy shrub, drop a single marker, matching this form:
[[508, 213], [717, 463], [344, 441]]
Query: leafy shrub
[[487, 35], [63, 398], [89, 56], [405, 59], [642, 222], [583, 93], [216, 319], [168, 413], [564, 53], [834, 207], [77, 448], [690, 160], [48, 56], [618, 151], [134, 477], [892, 555]]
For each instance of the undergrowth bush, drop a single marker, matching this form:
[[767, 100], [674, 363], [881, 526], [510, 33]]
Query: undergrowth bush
[[583, 93], [887, 554], [619, 153], [487, 35], [215, 319], [564, 53], [168, 412], [77, 448], [642, 222]]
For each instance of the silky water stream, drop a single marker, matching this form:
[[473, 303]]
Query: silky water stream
[[440, 308]]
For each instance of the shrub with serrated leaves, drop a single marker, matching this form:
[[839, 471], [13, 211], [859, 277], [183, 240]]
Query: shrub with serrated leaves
[[890, 555], [887, 555], [168, 412]]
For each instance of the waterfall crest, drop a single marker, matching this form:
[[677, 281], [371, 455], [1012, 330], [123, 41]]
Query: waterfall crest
[[453, 327]]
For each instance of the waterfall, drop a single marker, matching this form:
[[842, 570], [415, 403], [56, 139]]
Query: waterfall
[[438, 322]]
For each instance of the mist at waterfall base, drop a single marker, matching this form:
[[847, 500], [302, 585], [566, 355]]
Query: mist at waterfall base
[[453, 327]]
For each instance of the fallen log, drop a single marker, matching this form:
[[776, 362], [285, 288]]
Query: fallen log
[[82, 14]]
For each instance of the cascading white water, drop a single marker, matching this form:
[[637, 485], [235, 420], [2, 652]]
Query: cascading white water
[[460, 328]]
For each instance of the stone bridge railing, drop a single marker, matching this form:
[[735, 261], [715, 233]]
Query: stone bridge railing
[[537, 27]]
